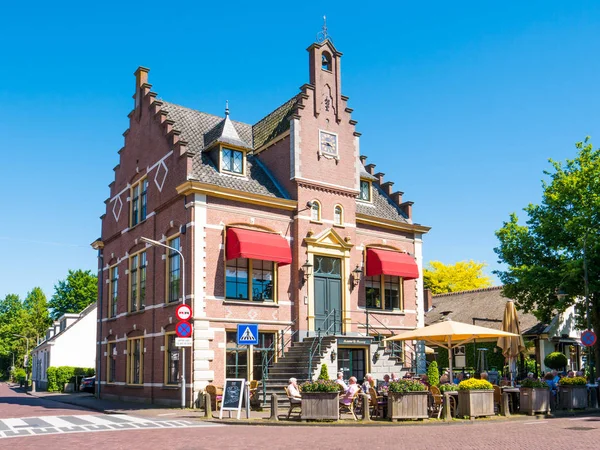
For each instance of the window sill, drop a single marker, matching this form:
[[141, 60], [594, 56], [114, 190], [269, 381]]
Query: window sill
[[394, 312], [339, 226], [111, 319], [131, 227], [170, 387], [135, 386], [250, 303], [133, 313], [318, 222], [366, 202], [175, 303], [235, 174]]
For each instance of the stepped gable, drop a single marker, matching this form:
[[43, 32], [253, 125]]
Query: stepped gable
[[274, 123], [194, 126], [486, 303]]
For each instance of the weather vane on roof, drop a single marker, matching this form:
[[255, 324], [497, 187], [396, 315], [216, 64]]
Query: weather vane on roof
[[322, 35], [226, 107]]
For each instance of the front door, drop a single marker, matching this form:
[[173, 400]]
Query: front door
[[328, 294], [352, 363]]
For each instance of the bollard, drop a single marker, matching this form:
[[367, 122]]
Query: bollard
[[446, 411], [365, 407], [504, 408], [207, 406], [33, 386], [274, 408]]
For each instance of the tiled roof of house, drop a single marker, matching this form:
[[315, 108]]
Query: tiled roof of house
[[381, 206], [487, 303], [275, 123], [199, 130]]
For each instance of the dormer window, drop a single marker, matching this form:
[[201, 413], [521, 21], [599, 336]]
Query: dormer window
[[365, 191], [232, 161], [326, 61]]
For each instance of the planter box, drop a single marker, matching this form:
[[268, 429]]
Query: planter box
[[412, 405], [475, 403], [320, 406], [534, 400], [573, 397]]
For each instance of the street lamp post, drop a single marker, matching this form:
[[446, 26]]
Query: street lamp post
[[160, 244], [587, 304], [26, 358]]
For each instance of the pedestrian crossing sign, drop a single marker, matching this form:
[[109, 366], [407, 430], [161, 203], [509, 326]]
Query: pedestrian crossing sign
[[247, 334]]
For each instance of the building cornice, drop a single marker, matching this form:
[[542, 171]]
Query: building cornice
[[197, 187], [391, 224]]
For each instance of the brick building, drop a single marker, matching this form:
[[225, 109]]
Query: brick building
[[281, 223]]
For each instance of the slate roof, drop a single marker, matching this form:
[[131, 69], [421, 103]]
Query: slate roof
[[200, 130], [275, 123], [487, 303], [224, 133], [381, 206]]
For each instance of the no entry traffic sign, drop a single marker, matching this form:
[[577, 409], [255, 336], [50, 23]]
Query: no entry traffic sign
[[183, 312], [588, 338], [183, 329]]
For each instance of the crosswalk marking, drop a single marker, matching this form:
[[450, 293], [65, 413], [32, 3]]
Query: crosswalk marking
[[77, 423]]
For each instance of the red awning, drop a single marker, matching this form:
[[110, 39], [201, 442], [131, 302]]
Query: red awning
[[388, 262], [242, 243]]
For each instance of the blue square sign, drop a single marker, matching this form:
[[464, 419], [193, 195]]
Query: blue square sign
[[247, 334]]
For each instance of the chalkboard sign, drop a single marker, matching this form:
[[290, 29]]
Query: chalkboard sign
[[233, 395]]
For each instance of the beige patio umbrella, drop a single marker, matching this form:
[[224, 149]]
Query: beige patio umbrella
[[449, 334], [511, 346]]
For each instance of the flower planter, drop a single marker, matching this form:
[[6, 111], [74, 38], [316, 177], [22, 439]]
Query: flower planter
[[410, 405], [475, 403], [320, 406], [534, 400], [573, 397]]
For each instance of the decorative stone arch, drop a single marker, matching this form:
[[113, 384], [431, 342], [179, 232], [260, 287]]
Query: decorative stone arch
[[330, 243]]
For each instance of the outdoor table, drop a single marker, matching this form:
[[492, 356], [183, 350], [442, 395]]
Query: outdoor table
[[515, 395], [447, 394]]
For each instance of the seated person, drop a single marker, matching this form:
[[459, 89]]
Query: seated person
[[386, 381], [483, 375], [393, 377], [353, 388], [445, 379], [425, 380], [340, 381], [458, 378], [293, 389], [368, 383], [549, 380]]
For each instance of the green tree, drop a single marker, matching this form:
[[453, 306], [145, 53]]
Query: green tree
[[545, 257], [12, 321], [441, 278], [37, 316], [73, 294]]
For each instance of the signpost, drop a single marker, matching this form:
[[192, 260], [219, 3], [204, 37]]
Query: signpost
[[588, 338], [247, 334], [183, 329], [183, 312], [183, 342]]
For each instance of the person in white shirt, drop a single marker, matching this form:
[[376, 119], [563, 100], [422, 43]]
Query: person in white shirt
[[293, 389], [340, 381]]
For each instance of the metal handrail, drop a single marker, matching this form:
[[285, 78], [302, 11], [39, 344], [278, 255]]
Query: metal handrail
[[316, 345], [277, 352]]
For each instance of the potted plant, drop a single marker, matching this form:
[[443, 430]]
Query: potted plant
[[572, 393], [320, 400], [448, 387], [407, 399], [475, 398], [534, 396], [433, 374], [555, 360]]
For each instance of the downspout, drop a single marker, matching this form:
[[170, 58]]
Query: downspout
[[99, 315]]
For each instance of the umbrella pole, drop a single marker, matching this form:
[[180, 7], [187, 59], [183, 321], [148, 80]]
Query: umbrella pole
[[450, 361]]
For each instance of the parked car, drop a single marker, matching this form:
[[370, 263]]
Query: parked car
[[88, 384]]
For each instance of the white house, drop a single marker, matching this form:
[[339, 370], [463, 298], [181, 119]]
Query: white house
[[70, 341]]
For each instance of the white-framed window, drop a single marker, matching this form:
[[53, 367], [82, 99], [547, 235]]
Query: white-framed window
[[315, 211], [365, 191], [232, 161], [338, 215]]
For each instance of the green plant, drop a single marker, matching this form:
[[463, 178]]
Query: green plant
[[320, 386], [433, 374], [324, 375], [52, 379], [555, 360], [535, 384], [19, 375], [473, 384], [404, 386], [575, 381], [448, 387]]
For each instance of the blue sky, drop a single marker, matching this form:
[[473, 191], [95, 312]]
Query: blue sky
[[461, 104]]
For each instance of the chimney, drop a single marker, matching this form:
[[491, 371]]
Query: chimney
[[141, 82], [406, 208], [387, 187], [363, 159], [427, 300], [397, 197], [370, 168], [379, 176]]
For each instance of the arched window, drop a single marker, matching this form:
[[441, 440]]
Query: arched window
[[326, 61], [338, 215], [315, 211]]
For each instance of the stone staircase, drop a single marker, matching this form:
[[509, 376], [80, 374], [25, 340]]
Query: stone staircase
[[294, 363]]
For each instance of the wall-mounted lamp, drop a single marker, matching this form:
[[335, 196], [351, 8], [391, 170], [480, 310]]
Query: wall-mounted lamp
[[333, 355], [375, 357], [307, 268], [356, 275]]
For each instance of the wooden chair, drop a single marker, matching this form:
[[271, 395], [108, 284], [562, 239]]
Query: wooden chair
[[216, 395], [377, 404], [353, 407], [254, 399], [437, 401], [294, 403]]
